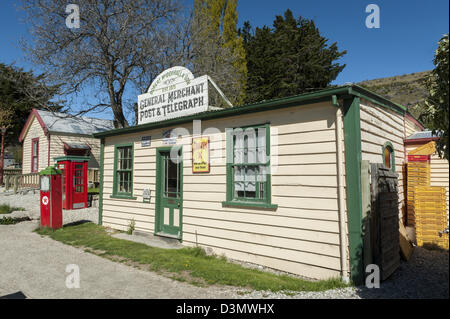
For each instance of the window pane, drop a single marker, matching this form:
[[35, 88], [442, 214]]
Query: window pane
[[250, 149], [124, 169], [387, 157], [262, 173], [250, 182], [238, 144], [261, 190], [261, 145], [35, 148], [171, 177], [238, 182]]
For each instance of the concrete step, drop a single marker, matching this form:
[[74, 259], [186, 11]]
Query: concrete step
[[151, 240]]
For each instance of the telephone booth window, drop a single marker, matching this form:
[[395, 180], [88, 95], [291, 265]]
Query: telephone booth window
[[62, 168], [78, 178]]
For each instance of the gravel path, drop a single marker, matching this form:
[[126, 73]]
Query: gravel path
[[30, 202], [424, 276], [36, 266]]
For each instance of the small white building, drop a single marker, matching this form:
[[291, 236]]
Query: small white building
[[47, 135], [289, 197]]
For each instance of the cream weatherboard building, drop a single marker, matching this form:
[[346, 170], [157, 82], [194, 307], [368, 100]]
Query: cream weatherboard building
[[47, 135], [287, 195]]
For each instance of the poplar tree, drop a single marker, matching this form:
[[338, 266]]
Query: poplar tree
[[218, 50]]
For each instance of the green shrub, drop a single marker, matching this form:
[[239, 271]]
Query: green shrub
[[131, 227], [12, 221], [6, 209]]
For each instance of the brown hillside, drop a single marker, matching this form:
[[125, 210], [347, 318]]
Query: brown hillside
[[408, 90]]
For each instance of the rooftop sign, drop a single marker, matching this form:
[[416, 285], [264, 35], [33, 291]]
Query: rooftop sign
[[174, 93]]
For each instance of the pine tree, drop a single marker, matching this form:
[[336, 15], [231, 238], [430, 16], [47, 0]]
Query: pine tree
[[20, 92], [218, 48], [292, 58]]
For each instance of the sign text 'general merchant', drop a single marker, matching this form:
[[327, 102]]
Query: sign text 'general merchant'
[[176, 94]]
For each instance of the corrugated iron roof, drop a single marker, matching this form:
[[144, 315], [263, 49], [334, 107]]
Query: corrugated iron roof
[[64, 123], [423, 135]]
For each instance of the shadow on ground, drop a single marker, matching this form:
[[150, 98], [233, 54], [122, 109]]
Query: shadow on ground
[[16, 295], [424, 276]]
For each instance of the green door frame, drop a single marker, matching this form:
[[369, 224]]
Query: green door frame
[[158, 204]]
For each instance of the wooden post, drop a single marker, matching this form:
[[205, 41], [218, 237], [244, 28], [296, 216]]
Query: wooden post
[[16, 183], [2, 153], [366, 208]]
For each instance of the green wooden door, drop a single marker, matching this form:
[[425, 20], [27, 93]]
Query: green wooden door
[[169, 200]]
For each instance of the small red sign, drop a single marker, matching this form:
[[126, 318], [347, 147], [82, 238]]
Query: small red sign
[[418, 158]]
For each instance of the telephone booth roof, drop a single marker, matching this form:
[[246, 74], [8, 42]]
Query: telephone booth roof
[[72, 158]]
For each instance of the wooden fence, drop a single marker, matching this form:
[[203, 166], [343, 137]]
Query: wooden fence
[[12, 171], [13, 178], [93, 175], [20, 182]]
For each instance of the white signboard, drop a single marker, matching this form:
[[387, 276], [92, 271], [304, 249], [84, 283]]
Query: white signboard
[[168, 138], [174, 93], [146, 195], [146, 141]]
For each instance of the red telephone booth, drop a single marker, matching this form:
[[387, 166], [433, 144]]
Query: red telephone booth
[[74, 181]]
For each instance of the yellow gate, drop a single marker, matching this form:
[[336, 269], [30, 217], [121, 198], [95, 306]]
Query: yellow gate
[[431, 216], [418, 175]]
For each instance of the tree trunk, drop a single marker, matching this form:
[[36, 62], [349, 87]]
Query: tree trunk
[[119, 118]]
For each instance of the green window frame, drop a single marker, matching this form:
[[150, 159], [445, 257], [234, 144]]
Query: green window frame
[[390, 148], [248, 167], [123, 171]]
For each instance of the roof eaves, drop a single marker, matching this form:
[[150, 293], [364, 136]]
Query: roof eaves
[[342, 91], [377, 99], [34, 113], [415, 120]]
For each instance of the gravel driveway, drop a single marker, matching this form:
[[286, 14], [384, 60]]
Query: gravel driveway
[[36, 266], [30, 202]]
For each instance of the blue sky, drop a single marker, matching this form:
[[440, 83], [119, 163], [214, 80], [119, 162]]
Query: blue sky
[[404, 43]]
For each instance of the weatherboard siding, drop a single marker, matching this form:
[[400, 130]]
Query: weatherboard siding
[[35, 130], [300, 237], [57, 147], [411, 127], [378, 126], [439, 175]]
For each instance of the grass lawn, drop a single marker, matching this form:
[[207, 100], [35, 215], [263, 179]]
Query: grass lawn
[[6, 209], [93, 190], [187, 264]]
